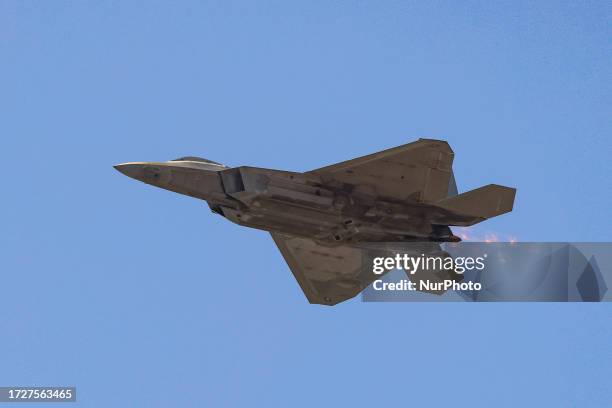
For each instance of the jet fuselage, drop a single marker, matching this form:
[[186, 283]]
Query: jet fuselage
[[295, 203]]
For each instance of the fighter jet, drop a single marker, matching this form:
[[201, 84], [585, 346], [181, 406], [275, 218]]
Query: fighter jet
[[322, 220]]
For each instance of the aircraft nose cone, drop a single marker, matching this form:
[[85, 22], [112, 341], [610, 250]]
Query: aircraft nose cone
[[133, 170]]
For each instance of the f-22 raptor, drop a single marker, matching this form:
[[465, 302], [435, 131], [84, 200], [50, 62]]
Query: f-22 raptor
[[323, 219]]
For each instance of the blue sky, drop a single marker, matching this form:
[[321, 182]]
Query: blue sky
[[141, 297]]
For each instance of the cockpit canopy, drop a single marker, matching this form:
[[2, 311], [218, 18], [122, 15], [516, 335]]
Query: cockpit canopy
[[196, 159]]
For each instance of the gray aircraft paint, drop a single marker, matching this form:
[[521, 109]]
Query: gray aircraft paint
[[324, 219]]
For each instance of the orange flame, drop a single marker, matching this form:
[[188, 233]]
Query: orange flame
[[468, 234]]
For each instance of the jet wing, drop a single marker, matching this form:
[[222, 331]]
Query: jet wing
[[330, 275], [327, 275], [421, 170]]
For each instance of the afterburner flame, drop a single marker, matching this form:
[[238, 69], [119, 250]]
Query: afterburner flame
[[469, 234]]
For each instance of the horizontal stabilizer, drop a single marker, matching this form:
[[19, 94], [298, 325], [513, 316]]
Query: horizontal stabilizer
[[478, 205]]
